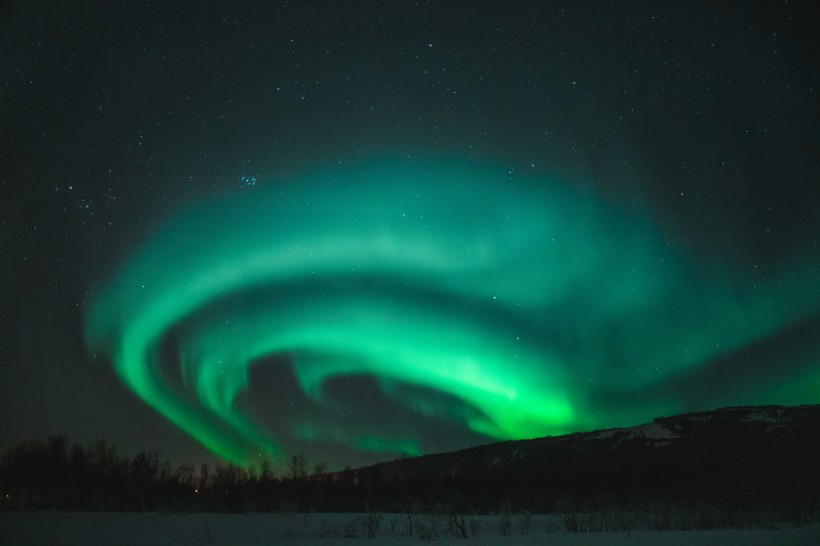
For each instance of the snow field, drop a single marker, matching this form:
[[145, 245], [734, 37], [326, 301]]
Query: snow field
[[96, 528]]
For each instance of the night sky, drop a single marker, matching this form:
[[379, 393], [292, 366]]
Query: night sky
[[243, 230]]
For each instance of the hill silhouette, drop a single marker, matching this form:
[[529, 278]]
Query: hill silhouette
[[729, 467]]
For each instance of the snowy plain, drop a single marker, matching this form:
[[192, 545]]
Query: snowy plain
[[94, 528]]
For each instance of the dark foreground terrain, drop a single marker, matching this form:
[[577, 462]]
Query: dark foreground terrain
[[105, 528], [746, 467]]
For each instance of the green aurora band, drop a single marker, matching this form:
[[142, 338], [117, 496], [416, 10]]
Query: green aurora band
[[526, 301]]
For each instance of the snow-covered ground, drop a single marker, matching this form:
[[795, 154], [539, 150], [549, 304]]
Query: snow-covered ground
[[90, 528]]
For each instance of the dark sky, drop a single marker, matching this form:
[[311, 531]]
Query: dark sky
[[410, 226]]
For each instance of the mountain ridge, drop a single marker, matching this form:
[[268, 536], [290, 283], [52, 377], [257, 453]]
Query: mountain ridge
[[663, 429], [734, 458]]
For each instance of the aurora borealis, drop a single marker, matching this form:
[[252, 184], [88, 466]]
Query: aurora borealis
[[500, 293], [266, 229]]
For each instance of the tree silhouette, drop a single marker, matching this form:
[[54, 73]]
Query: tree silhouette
[[298, 467]]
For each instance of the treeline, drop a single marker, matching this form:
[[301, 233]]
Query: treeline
[[57, 475], [722, 469]]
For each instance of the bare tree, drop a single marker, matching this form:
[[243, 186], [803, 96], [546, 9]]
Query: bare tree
[[320, 469], [298, 467]]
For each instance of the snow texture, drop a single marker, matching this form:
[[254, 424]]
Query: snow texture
[[92, 528]]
